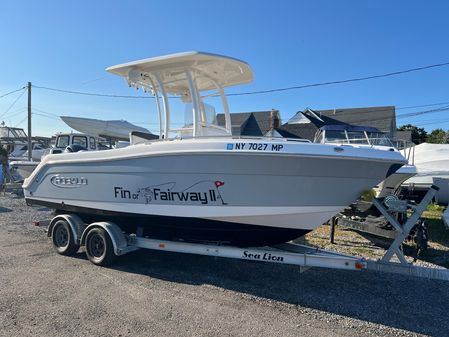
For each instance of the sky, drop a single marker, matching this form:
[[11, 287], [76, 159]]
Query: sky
[[68, 44]]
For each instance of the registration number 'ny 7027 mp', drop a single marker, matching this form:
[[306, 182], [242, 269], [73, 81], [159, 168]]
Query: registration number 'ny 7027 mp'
[[255, 146]]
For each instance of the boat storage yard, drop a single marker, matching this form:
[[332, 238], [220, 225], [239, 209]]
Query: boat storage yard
[[187, 239], [154, 293]]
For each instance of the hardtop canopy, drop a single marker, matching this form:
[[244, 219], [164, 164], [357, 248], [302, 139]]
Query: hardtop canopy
[[207, 69], [186, 75]]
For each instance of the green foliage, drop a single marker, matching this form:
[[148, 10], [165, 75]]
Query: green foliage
[[435, 208], [437, 136], [368, 195]]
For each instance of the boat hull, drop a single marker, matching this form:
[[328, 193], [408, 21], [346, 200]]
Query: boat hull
[[393, 182], [236, 197], [24, 168], [186, 229]]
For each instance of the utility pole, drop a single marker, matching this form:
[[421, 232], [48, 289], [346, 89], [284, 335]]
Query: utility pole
[[30, 145]]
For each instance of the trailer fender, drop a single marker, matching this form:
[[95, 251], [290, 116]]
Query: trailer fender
[[76, 225], [115, 233]]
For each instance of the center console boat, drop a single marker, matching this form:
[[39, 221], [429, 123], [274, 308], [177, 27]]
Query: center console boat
[[198, 182]]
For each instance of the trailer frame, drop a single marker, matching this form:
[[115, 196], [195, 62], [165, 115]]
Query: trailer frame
[[119, 243], [288, 253]]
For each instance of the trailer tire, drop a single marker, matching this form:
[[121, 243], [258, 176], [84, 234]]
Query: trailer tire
[[99, 247], [63, 238]]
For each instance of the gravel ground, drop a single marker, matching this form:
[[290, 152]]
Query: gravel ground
[[152, 294]]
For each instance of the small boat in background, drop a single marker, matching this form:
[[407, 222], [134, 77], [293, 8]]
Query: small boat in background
[[15, 141], [94, 134], [432, 164], [431, 161], [116, 129], [65, 142]]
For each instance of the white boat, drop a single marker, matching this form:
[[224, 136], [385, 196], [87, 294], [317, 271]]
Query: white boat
[[118, 129], [23, 168], [431, 161], [198, 182], [364, 136], [14, 140], [72, 142]]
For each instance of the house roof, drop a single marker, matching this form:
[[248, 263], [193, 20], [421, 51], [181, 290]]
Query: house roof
[[249, 123], [303, 131], [306, 123], [404, 135], [307, 130], [381, 117]]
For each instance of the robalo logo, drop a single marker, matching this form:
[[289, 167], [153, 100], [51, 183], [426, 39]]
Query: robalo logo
[[68, 182]]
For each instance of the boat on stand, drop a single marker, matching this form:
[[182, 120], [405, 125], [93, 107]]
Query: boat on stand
[[198, 182]]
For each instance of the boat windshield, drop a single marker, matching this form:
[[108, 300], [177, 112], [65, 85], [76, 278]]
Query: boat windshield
[[192, 114], [62, 142], [20, 133], [379, 138], [372, 138], [207, 112], [6, 132]]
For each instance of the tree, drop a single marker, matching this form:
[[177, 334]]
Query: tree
[[437, 136], [419, 135]]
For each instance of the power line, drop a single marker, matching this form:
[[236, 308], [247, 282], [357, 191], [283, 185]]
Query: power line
[[17, 109], [23, 120], [51, 115], [382, 109], [95, 79], [90, 93], [46, 112], [369, 119], [44, 115], [357, 79], [15, 101], [418, 113], [421, 106], [435, 121], [18, 112], [147, 97], [11, 92], [407, 115], [341, 81]]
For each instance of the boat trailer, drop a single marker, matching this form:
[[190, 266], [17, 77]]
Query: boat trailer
[[105, 241]]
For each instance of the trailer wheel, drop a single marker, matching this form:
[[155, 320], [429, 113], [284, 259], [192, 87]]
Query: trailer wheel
[[63, 239], [99, 248]]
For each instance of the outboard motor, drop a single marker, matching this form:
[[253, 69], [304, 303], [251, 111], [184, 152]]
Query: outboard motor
[[75, 148]]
